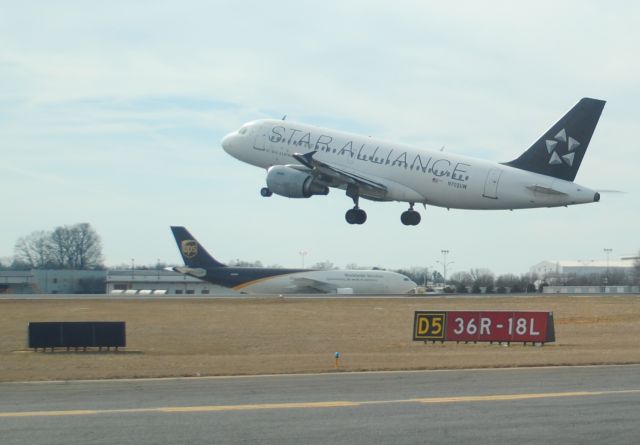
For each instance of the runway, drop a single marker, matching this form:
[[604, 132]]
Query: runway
[[119, 297], [526, 405]]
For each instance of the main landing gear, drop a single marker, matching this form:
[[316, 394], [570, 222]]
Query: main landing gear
[[264, 191], [355, 215], [410, 217]]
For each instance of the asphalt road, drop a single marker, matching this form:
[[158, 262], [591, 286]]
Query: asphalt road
[[563, 405], [112, 297]]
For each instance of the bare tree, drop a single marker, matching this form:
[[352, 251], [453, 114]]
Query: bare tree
[[76, 247], [508, 282], [34, 250], [482, 278], [61, 246], [527, 282], [461, 280], [243, 263], [324, 265], [67, 247], [87, 248]]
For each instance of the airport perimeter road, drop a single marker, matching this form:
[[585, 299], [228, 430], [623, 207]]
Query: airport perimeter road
[[534, 405], [115, 297]]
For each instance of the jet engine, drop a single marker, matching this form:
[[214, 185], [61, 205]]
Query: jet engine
[[293, 183]]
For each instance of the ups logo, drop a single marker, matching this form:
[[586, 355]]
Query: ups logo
[[189, 248]]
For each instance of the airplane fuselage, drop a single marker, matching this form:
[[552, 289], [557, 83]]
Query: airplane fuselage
[[260, 280], [268, 280], [409, 174]]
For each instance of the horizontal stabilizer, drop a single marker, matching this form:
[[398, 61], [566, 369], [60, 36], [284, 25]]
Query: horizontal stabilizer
[[545, 190], [197, 272]]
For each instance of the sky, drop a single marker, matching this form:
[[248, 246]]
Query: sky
[[111, 113]]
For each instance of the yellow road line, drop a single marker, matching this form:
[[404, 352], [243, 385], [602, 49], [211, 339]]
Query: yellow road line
[[306, 405], [214, 408], [84, 412], [503, 397]]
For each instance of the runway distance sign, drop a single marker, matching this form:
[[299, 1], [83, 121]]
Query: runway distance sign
[[484, 326]]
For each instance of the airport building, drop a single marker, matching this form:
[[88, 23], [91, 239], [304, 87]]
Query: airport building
[[136, 282], [583, 267], [585, 290], [159, 282], [49, 281]]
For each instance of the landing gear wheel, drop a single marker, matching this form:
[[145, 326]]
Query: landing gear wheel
[[351, 216], [362, 216], [410, 218], [264, 191], [355, 216]]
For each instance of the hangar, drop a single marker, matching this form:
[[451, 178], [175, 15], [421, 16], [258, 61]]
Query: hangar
[[583, 267], [159, 282], [52, 281]]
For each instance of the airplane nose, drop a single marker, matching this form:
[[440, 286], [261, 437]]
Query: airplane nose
[[227, 143]]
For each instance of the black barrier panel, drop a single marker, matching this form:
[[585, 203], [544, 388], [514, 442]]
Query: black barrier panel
[[77, 334], [45, 335], [551, 329], [110, 333]]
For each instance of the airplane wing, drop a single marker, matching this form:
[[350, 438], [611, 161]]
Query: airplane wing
[[310, 285], [339, 177]]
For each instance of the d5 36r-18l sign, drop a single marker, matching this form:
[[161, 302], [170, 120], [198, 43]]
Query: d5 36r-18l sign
[[484, 326]]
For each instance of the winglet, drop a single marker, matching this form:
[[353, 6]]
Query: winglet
[[305, 159]]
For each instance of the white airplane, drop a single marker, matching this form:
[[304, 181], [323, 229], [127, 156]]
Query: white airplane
[[302, 160], [265, 280]]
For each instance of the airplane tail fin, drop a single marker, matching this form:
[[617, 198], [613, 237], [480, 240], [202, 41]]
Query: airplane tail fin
[[193, 254], [560, 150]]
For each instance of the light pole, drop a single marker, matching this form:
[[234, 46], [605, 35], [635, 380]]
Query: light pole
[[302, 254], [444, 263]]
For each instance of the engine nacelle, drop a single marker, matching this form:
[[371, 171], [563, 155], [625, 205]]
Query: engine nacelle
[[293, 183]]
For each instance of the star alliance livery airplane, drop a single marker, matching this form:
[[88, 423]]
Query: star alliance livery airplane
[[264, 280], [302, 160]]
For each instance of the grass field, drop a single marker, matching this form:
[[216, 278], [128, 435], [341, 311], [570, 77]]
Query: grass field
[[262, 336]]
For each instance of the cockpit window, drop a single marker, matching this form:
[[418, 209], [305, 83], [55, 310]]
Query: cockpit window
[[243, 130]]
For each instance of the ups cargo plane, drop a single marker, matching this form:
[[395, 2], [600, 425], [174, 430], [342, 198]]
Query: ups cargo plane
[[265, 280], [302, 160]]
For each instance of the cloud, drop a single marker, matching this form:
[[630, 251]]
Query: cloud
[[115, 110]]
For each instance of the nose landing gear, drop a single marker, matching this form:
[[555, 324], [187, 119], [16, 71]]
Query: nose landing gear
[[264, 191], [410, 217]]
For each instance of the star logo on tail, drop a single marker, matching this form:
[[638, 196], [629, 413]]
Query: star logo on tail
[[554, 144]]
